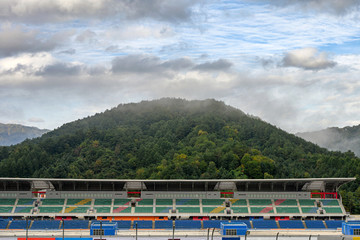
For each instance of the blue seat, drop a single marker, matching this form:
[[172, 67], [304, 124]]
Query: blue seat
[[292, 224], [164, 224], [247, 222], [45, 224], [123, 224], [3, 224], [314, 224], [18, 224], [143, 224], [333, 224], [76, 224], [187, 224], [264, 224]]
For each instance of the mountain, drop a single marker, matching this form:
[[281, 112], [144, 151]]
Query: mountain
[[175, 138], [11, 134], [336, 139]]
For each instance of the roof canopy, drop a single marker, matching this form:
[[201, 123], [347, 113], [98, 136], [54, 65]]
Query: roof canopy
[[265, 185]]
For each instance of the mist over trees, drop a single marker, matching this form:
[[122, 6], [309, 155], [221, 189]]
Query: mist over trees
[[177, 139]]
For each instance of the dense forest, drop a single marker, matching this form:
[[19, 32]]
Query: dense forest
[[175, 138]]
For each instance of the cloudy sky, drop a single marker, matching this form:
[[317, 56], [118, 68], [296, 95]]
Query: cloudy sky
[[293, 63]]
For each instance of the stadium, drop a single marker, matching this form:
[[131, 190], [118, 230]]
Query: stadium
[[55, 204]]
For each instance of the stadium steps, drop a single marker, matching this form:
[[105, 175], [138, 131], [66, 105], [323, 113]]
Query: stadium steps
[[277, 224], [303, 222], [325, 224]]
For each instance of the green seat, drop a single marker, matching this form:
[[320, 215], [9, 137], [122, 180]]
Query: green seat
[[219, 209], [287, 210], [145, 202], [332, 210], [143, 210], [188, 209], [52, 202], [102, 202], [259, 202], [238, 202], [102, 209], [240, 209], [309, 209], [187, 202], [285, 202], [23, 209], [122, 201], [25, 201], [307, 202], [76, 209], [7, 201], [122, 209], [214, 202], [330, 202], [50, 209], [262, 210], [162, 209], [6, 209], [166, 202], [78, 202]]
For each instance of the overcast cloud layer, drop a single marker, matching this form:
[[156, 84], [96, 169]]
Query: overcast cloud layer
[[292, 63]]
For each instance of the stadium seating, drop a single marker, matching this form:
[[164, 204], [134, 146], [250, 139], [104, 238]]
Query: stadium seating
[[50, 209], [7, 201], [212, 202], [18, 224], [332, 209], [333, 224], [212, 223], [187, 224], [309, 209], [164, 224], [144, 210], [122, 201], [285, 202], [102, 202], [213, 209], [145, 202], [329, 202], [307, 202], [247, 222], [25, 202], [3, 224], [264, 224], [122, 209], [102, 209], [287, 210], [291, 224], [6, 209], [52, 202], [162, 209], [187, 202], [23, 209], [45, 224], [188, 209], [260, 202], [314, 224], [143, 224], [123, 224], [76, 209], [262, 210], [238, 202], [164, 202], [76, 224], [240, 209], [78, 202]]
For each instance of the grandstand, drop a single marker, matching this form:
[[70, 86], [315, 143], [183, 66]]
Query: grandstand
[[144, 201]]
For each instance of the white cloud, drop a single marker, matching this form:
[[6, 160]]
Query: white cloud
[[308, 59]]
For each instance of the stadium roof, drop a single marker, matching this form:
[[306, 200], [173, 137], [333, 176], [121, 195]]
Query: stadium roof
[[281, 185]]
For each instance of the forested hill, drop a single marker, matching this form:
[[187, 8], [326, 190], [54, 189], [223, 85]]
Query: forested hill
[[336, 139], [11, 134], [174, 138]]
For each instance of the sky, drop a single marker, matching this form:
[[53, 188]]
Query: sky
[[293, 63]]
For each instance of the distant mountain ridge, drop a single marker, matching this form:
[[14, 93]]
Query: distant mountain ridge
[[11, 134], [336, 139]]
